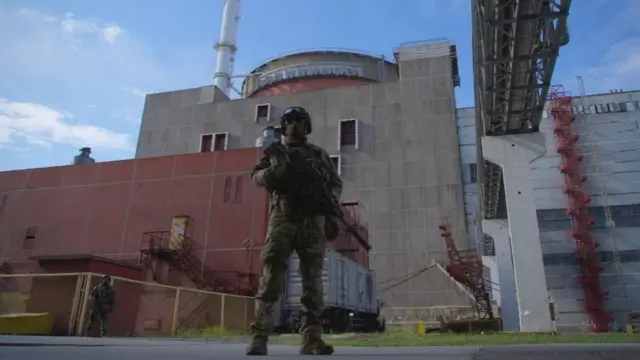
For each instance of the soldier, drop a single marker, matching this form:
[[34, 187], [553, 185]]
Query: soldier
[[293, 227], [102, 298]]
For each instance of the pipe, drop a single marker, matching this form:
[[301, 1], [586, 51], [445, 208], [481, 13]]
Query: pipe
[[226, 46]]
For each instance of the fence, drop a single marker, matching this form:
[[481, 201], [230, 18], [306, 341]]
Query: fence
[[407, 318], [141, 308]]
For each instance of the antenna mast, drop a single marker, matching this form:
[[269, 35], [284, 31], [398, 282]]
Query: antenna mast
[[226, 46]]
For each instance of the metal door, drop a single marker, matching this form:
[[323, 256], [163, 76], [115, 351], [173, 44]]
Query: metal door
[[178, 232]]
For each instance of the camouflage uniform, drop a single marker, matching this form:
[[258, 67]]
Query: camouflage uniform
[[287, 233], [102, 297]]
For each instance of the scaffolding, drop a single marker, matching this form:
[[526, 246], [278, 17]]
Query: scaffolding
[[603, 196], [582, 223]]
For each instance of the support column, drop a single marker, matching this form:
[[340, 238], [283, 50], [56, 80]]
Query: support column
[[490, 262], [514, 153], [499, 231]]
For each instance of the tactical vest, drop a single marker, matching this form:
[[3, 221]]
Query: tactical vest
[[305, 191]]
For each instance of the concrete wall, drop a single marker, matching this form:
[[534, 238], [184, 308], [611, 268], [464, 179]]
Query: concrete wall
[[105, 208], [405, 171], [610, 143], [613, 169]]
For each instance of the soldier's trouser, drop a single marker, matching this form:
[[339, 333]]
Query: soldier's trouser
[[307, 239], [98, 314]]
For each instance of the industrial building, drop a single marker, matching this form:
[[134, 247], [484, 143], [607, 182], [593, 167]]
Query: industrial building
[[608, 125], [412, 161], [389, 126]]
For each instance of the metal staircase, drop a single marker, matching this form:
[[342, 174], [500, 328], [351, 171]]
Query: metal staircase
[[180, 253], [465, 266]]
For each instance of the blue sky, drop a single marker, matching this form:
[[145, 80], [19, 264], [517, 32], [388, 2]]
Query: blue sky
[[74, 72]]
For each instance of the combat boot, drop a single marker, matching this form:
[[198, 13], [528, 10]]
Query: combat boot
[[312, 344], [258, 345]]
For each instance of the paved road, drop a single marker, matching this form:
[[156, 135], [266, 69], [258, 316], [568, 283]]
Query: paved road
[[51, 348]]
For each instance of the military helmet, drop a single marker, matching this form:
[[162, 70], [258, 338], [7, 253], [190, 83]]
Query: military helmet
[[295, 113]]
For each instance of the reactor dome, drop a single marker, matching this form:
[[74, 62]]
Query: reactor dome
[[316, 70]]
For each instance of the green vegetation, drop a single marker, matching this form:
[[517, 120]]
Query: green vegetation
[[403, 338], [212, 332], [398, 338]]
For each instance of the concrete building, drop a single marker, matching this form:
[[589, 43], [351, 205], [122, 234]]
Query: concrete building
[[390, 126], [608, 125]]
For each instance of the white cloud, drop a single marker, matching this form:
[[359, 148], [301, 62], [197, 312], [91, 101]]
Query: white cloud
[[39, 125], [134, 91], [619, 68]]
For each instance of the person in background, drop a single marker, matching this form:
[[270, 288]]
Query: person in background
[[102, 299]]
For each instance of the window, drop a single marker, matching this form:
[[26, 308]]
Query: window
[[206, 143], [614, 107], [220, 141], [3, 203], [263, 112], [238, 192], [348, 135], [473, 173], [226, 196], [30, 237], [629, 106], [337, 163]]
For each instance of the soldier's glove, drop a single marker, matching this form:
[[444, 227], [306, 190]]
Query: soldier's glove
[[331, 228]]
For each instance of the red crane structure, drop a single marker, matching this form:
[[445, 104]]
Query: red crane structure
[[582, 223], [465, 266]]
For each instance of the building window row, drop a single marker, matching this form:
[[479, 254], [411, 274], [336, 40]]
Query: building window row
[[607, 108], [348, 135]]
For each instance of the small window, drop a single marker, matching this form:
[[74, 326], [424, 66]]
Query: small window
[[220, 141], [629, 106], [3, 203], [263, 112], [337, 163], [238, 192], [226, 196], [473, 173], [206, 143], [614, 107], [30, 237], [348, 135]]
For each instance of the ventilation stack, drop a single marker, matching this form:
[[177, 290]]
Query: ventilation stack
[[582, 223]]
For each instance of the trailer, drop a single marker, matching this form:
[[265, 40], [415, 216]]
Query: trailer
[[350, 297]]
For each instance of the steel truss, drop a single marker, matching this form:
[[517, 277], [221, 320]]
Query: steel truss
[[516, 45]]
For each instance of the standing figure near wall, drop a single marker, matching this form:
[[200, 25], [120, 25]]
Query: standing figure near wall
[[295, 224], [102, 299]]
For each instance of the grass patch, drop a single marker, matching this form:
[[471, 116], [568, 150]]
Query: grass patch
[[400, 338], [397, 338], [212, 332]]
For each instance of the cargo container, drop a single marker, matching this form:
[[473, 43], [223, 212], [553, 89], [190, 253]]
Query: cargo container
[[350, 296]]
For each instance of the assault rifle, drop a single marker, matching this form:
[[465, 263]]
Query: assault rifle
[[305, 186]]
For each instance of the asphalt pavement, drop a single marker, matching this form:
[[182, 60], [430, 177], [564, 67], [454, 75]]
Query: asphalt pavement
[[64, 348]]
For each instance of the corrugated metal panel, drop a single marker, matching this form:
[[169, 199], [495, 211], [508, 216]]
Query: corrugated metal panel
[[346, 284]]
